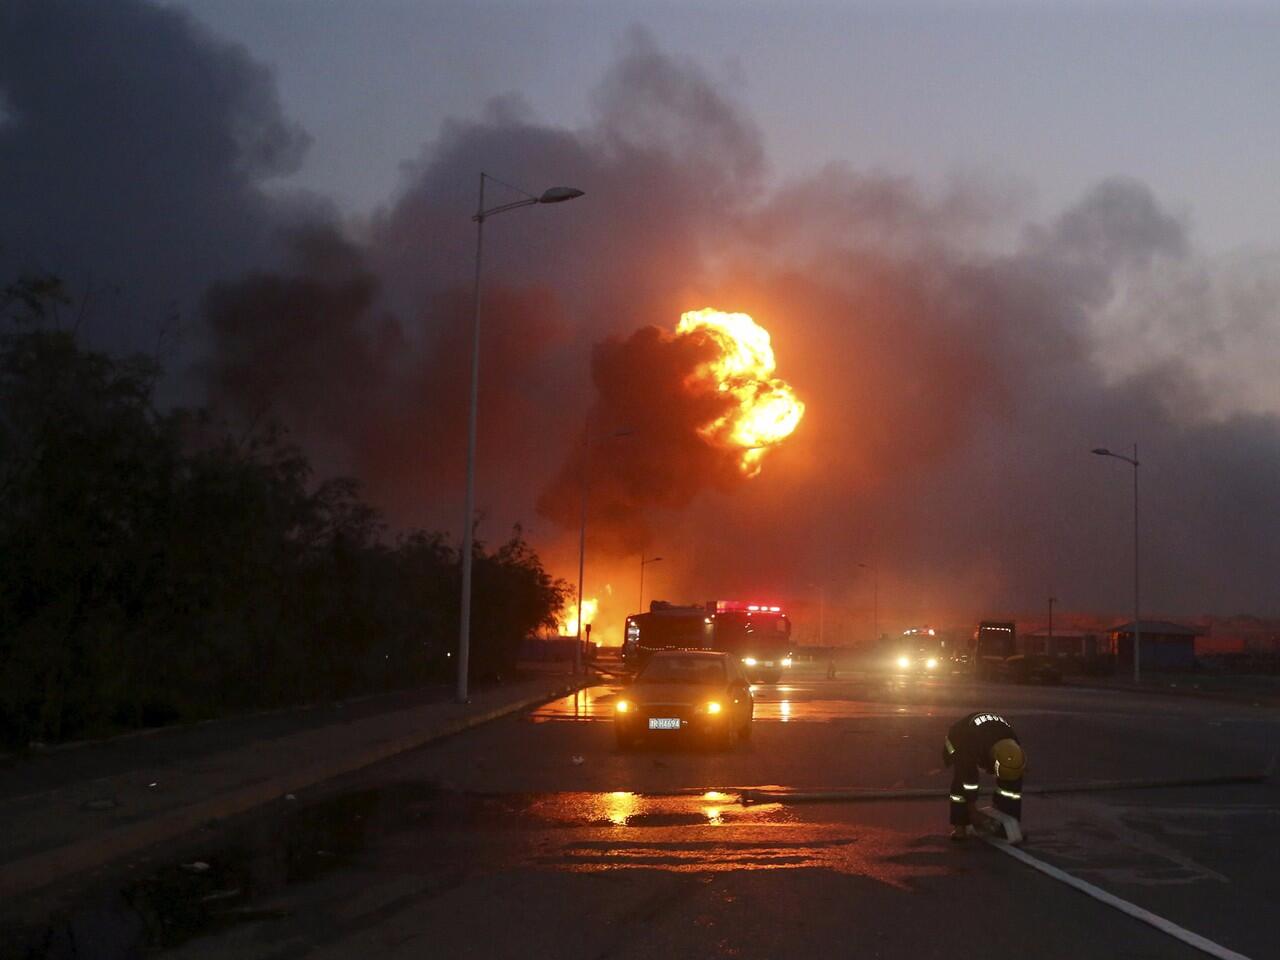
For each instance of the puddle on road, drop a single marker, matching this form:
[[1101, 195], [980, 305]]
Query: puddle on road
[[226, 883], [782, 703], [250, 873], [622, 808]]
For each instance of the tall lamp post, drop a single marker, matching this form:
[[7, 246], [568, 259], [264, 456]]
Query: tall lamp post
[[644, 563], [587, 444], [1137, 624], [875, 609], [552, 195]]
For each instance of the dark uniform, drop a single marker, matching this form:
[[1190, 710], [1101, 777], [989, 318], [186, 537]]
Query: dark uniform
[[968, 748]]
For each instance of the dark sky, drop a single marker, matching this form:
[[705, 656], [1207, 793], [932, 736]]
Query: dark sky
[[959, 348]]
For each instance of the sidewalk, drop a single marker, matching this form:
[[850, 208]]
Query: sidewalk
[[68, 825]]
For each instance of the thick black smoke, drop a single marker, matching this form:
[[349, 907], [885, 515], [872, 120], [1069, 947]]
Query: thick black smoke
[[646, 447], [955, 378], [132, 156]]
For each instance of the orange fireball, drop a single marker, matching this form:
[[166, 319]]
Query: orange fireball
[[766, 410]]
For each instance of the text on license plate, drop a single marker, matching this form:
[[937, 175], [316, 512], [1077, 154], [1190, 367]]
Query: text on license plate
[[664, 723]]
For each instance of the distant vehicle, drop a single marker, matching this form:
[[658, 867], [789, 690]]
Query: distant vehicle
[[918, 653], [699, 692], [993, 642], [759, 634], [665, 627], [996, 655]]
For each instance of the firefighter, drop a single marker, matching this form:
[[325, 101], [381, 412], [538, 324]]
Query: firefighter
[[984, 741]]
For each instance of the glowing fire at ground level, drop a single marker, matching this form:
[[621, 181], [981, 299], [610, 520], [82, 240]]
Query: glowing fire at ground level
[[568, 624]]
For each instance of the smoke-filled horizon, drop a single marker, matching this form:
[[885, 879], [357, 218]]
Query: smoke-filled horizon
[[956, 362]]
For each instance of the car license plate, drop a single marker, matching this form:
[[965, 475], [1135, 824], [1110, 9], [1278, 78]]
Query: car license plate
[[664, 723], [768, 663]]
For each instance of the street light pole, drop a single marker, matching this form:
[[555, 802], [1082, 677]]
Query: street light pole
[[1137, 624], [582, 545], [553, 195], [643, 564], [582, 531], [875, 609], [822, 616]]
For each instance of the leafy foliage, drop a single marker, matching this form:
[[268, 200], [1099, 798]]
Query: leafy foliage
[[152, 568]]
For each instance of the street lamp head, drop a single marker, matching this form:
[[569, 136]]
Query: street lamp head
[[1102, 451], [559, 194]]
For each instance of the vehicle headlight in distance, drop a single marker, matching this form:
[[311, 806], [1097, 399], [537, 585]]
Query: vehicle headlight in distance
[[749, 661], [786, 661], [931, 663], [904, 662], [622, 706], [713, 707]]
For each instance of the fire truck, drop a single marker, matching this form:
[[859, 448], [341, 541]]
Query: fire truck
[[759, 634]]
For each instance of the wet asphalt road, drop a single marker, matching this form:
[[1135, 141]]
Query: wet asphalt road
[[534, 836]]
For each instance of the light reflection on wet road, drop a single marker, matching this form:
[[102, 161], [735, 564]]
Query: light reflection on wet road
[[781, 702], [704, 832]]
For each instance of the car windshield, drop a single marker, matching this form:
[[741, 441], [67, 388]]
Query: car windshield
[[700, 670]]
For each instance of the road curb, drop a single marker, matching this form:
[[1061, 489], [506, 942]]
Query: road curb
[[41, 869], [1221, 696]]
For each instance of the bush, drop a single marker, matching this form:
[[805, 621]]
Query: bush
[[153, 569]]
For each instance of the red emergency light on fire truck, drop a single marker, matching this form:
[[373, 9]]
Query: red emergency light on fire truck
[[759, 634]]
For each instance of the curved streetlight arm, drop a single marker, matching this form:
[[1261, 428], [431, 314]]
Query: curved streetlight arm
[[551, 195], [483, 215], [1104, 452]]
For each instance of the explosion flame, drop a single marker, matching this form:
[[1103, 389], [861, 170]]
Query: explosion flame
[[767, 410], [569, 620]]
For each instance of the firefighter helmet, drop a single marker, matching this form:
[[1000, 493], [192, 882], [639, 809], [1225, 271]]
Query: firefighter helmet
[[1009, 759]]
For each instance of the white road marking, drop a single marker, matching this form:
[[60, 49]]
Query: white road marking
[[1124, 906]]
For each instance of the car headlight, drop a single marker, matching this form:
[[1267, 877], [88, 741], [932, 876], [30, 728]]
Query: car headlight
[[713, 707], [904, 662], [749, 661], [786, 661], [622, 706], [931, 663]]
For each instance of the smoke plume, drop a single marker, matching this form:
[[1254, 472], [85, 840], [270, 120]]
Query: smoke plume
[[956, 362]]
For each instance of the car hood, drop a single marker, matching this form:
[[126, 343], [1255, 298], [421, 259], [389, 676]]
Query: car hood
[[686, 693]]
